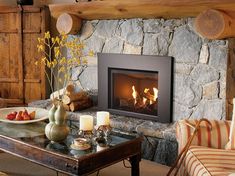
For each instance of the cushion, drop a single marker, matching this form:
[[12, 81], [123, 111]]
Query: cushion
[[231, 144], [207, 161], [218, 137]]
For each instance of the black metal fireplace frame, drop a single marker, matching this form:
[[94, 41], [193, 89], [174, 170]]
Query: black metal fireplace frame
[[161, 64]]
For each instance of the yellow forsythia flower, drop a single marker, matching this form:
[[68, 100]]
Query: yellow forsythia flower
[[62, 69], [91, 53], [62, 61], [57, 51], [85, 61], [47, 35], [40, 48]]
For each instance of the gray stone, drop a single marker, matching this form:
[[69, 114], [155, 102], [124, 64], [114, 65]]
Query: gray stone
[[113, 45], [181, 112], [45, 104], [92, 60], [125, 123], [106, 28], [89, 78], [203, 74], [163, 42], [150, 128], [166, 152], [211, 90], [131, 31], [131, 49], [204, 54], [218, 56], [222, 87], [94, 44], [186, 92], [94, 22], [170, 133], [156, 44], [152, 25], [183, 68], [185, 46], [172, 23], [87, 30], [150, 46], [148, 148], [210, 109], [75, 73], [190, 23]]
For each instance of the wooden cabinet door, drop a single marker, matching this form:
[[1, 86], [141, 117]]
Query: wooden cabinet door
[[11, 83], [21, 81], [34, 76]]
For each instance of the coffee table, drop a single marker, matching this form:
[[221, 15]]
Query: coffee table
[[29, 142]]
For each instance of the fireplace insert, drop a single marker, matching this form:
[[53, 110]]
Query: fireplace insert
[[136, 85]]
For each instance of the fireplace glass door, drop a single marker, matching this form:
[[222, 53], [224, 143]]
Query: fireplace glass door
[[133, 91]]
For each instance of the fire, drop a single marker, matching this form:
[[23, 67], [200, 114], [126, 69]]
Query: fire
[[147, 97], [155, 93], [134, 94], [144, 100]]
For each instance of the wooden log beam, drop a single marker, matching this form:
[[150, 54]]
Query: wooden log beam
[[119, 9], [215, 24], [68, 23]]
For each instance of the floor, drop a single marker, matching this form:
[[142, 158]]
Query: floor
[[15, 166]]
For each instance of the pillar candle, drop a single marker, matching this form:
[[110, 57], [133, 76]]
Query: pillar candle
[[86, 123], [102, 118]]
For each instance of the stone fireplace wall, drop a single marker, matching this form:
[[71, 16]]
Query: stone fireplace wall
[[199, 67]]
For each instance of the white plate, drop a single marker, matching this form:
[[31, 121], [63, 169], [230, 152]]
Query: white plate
[[41, 114]]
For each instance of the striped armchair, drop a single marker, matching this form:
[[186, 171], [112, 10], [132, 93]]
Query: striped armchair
[[207, 155]]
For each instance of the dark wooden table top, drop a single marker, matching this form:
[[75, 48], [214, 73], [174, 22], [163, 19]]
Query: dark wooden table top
[[28, 141]]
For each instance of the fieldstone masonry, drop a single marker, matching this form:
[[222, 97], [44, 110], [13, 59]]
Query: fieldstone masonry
[[199, 66], [199, 74]]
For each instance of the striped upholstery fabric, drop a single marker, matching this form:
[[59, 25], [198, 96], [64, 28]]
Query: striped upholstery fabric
[[218, 137], [209, 162], [231, 144]]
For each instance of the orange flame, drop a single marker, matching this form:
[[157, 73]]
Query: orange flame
[[134, 94], [144, 100], [146, 90], [155, 93]]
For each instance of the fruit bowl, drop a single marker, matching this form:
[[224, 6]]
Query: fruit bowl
[[40, 114]]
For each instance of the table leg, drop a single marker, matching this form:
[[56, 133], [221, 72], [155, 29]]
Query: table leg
[[135, 168]]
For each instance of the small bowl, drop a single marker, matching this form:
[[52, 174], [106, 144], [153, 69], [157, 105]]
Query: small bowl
[[80, 142]]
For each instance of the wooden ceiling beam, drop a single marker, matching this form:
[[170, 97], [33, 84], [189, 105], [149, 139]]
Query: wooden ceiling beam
[[121, 9]]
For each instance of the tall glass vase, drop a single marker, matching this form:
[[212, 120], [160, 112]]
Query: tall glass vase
[[57, 130]]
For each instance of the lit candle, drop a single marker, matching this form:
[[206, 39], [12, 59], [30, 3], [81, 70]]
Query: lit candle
[[86, 123], [102, 118]]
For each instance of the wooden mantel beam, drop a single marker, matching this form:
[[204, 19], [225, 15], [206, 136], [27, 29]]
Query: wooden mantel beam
[[119, 9], [215, 24]]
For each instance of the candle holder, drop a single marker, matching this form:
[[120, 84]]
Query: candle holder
[[103, 134], [86, 134]]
